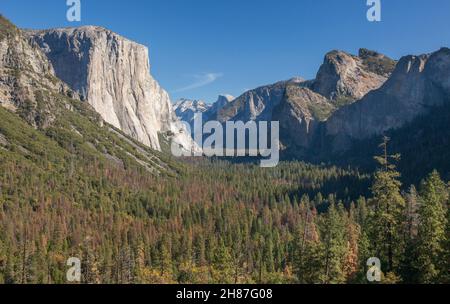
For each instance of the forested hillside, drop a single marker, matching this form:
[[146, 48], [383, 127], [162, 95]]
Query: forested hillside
[[423, 144], [208, 221], [72, 185]]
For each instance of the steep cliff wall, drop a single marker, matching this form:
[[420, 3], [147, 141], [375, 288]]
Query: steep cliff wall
[[417, 83], [112, 74]]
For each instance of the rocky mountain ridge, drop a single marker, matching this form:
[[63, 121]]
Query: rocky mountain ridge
[[342, 79], [187, 110], [352, 98], [302, 105]]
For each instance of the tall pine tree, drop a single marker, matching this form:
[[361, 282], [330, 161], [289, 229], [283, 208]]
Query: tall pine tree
[[308, 257], [385, 220], [335, 246], [431, 230]]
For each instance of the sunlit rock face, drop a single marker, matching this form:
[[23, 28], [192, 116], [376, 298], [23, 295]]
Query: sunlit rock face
[[344, 78], [112, 74], [417, 83]]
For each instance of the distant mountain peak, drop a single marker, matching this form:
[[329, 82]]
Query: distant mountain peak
[[194, 105]]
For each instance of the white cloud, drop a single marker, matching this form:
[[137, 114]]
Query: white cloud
[[201, 80]]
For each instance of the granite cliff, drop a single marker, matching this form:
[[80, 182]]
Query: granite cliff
[[112, 74]]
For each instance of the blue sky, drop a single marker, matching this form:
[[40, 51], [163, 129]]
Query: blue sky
[[202, 48]]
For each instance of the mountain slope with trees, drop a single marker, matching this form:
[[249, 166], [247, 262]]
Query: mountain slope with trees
[[73, 186]]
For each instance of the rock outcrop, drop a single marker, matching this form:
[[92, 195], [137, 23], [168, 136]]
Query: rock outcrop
[[27, 79], [222, 101], [418, 82], [344, 78], [300, 113], [112, 74], [257, 104]]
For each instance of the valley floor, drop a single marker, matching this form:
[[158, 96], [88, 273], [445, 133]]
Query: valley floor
[[214, 222]]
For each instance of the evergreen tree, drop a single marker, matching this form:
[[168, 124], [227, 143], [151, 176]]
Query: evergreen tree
[[222, 266], [386, 218], [408, 270], [268, 255], [308, 256], [432, 229], [446, 258], [165, 258], [351, 262], [335, 247]]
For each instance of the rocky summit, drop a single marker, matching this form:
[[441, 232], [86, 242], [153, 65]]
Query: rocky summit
[[344, 78], [300, 113]]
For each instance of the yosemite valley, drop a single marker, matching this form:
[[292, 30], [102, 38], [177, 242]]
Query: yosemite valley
[[87, 169]]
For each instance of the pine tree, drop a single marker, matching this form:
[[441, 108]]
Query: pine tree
[[363, 242], [335, 246], [278, 253], [308, 256], [268, 254], [364, 253], [446, 258], [139, 262], [385, 220], [222, 266], [237, 256], [431, 230], [411, 213], [352, 255], [408, 270], [199, 249], [165, 258]]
